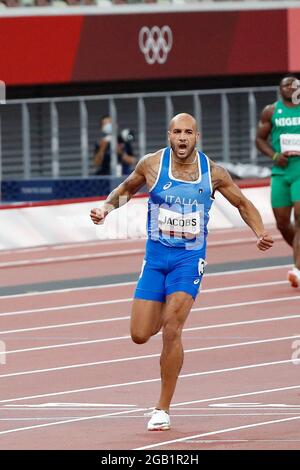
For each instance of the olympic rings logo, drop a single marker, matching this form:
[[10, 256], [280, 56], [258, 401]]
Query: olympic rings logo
[[155, 43]]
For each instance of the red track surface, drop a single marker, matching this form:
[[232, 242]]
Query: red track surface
[[74, 380]]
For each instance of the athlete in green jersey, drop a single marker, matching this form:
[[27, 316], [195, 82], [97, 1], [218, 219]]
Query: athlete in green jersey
[[278, 137]]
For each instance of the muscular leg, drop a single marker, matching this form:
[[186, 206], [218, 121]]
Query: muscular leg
[[296, 242], [146, 319], [284, 224], [178, 306]]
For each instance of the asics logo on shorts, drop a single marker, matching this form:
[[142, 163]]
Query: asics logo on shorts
[[196, 281], [155, 43], [167, 185]]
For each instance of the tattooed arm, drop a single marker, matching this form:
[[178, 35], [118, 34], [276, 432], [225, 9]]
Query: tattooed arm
[[223, 182], [120, 195]]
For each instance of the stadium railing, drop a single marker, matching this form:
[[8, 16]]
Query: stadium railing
[[55, 137]]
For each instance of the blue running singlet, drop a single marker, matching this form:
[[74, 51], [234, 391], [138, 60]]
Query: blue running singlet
[[178, 211], [178, 214]]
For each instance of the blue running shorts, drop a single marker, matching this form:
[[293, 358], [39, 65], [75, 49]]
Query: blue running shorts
[[169, 269]]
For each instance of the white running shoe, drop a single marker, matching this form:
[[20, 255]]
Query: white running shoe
[[294, 277], [160, 421]]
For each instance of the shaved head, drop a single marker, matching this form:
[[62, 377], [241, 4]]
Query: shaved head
[[187, 119], [288, 86], [183, 136], [288, 79]]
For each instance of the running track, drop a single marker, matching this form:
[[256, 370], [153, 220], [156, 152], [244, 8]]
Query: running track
[[74, 380]]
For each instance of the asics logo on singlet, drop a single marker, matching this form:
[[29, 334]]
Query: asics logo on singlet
[[167, 185], [155, 43], [196, 281]]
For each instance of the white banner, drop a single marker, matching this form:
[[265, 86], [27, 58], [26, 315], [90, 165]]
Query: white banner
[[71, 223]]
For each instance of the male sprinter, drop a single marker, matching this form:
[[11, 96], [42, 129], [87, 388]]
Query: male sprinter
[[281, 121], [181, 183]]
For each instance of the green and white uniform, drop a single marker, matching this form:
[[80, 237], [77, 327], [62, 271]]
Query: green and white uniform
[[285, 137]]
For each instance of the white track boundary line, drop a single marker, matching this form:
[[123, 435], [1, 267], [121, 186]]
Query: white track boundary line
[[68, 246], [114, 253], [101, 340], [72, 420], [258, 392], [140, 382], [120, 284], [63, 259], [100, 243], [130, 299], [149, 356], [197, 309], [66, 307], [238, 395], [220, 431]]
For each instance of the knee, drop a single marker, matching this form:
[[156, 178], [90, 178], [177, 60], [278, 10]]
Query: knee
[[297, 219], [171, 332], [139, 338], [282, 224]]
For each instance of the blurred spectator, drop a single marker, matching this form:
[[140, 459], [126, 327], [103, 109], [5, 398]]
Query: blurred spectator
[[59, 3], [80, 2], [102, 152], [43, 3], [11, 3]]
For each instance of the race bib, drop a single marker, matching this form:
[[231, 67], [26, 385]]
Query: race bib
[[290, 143], [178, 224]]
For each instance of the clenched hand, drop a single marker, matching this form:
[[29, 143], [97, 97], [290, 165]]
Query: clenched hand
[[98, 215], [265, 242]]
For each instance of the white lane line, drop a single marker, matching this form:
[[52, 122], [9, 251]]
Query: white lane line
[[220, 415], [72, 405], [72, 420], [293, 387], [100, 243], [253, 406], [140, 382], [194, 415], [197, 309], [66, 246], [34, 418], [221, 441], [102, 340], [63, 259], [220, 431], [120, 284], [63, 325], [69, 289], [66, 307], [149, 356], [248, 322], [198, 415], [175, 405], [129, 299], [237, 395], [111, 254], [264, 407]]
